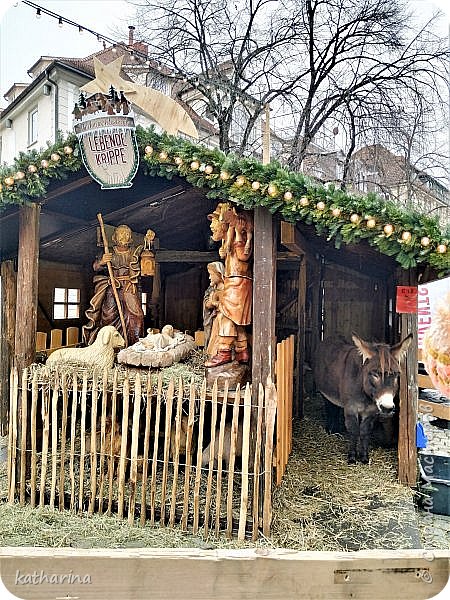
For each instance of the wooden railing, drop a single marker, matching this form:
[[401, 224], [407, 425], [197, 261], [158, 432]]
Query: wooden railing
[[72, 338], [133, 444], [284, 369]]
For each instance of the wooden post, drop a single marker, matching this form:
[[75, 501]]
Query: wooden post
[[27, 283], [8, 327], [264, 300], [407, 451]]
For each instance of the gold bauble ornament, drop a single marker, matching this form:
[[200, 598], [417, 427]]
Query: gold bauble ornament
[[272, 189], [256, 185], [32, 168], [425, 241], [240, 180], [388, 229], [406, 236], [354, 218], [195, 165], [320, 205], [68, 150], [19, 175], [304, 201], [287, 196], [9, 180], [224, 175], [209, 169], [44, 163], [148, 150], [178, 160], [371, 223], [441, 248], [336, 212], [55, 157], [162, 155]]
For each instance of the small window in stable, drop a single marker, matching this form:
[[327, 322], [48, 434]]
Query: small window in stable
[[66, 303]]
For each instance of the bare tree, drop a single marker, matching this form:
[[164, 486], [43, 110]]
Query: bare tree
[[329, 60], [230, 57]]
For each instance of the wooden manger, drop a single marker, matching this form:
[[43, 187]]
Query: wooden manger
[[112, 442]]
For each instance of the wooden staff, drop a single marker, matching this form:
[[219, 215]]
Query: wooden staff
[[111, 279]]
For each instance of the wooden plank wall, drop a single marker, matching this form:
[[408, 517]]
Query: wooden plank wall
[[284, 369], [159, 458]]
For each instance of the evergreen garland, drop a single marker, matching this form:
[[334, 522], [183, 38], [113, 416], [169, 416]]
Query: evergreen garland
[[409, 236]]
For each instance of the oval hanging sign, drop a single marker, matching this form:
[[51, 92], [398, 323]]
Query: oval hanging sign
[[104, 125]]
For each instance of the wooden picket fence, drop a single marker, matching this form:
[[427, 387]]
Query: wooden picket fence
[[114, 442], [284, 370]]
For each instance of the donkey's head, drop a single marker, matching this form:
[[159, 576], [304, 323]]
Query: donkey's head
[[381, 370]]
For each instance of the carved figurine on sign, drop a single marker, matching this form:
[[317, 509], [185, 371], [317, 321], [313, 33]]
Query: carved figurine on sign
[[235, 229], [116, 300]]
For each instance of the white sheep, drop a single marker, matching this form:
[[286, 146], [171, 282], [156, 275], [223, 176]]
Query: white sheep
[[99, 354]]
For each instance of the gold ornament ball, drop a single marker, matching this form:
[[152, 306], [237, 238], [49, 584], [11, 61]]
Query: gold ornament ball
[[178, 160], [20, 175], [240, 180], [388, 229], [304, 201], [320, 205], [441, 248], [68, 150], [287, 196], [272, 189], [9, 180], [148, 150], [163, 155], [32, 168], [1, 187], [371, 223], [224, 175], [406, 236], [336, 212], [354, 218], [425, 241], [195, 165], [209, 169], [256, 185], [44, 163], [55, 157]]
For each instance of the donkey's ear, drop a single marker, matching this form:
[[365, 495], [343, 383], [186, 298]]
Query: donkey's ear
[[399, 350], [364, 348]]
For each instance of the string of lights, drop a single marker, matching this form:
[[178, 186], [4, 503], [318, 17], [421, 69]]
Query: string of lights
[[40, 10], [193, 80]]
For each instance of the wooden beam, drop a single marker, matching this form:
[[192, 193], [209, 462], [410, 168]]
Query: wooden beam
[[407, 451], [223, 574], [264, 299], [63, 217], [27, 283], [293, 239], [114, 215], [184, 256], [69, 187], [8, 327]]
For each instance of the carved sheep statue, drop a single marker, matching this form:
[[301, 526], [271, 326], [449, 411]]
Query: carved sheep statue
[[100, 354]]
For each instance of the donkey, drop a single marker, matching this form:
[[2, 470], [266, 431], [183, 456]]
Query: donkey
[[362, 379]]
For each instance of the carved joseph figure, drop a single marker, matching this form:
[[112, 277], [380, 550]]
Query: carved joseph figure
[[103, 308]]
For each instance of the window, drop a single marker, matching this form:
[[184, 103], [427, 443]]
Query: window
[[32, 126], [66, 303]]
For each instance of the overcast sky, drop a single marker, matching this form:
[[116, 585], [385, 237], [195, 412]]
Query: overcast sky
[[23, 38]]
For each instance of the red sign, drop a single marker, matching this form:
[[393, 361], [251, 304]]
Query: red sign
[[406, 301]]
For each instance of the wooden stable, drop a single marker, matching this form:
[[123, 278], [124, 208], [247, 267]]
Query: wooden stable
[[303, 289]]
